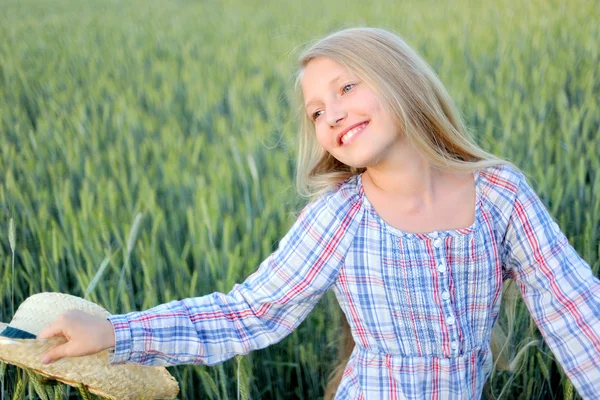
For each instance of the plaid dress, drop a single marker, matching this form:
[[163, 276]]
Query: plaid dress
[[421, 306]]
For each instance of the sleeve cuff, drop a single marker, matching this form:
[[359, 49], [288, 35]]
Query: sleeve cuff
[[123, 340]]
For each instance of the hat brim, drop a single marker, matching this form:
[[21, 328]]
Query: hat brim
[[129, 381]]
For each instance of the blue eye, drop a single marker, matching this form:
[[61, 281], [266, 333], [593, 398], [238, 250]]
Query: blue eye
[[348, 87]]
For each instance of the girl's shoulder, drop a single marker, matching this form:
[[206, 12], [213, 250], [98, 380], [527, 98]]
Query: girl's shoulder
[[338, 210], [342, 200], [499, 186], [500, 178]]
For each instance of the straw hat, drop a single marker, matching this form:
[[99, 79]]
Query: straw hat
[[114, 382]]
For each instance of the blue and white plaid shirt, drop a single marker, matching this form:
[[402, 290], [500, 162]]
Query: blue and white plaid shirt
[[421, 306]]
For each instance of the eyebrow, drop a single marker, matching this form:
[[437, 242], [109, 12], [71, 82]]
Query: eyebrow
[[330, 82]]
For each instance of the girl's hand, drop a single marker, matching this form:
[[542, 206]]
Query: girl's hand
[[85, 334]]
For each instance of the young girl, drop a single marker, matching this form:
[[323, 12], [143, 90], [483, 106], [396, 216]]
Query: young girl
[[412, 225]]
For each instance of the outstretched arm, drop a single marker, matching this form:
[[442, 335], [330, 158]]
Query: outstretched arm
[[559, 288], [269, 305]]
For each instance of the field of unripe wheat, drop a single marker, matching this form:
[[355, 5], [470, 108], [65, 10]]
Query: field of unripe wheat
[[147, 153]]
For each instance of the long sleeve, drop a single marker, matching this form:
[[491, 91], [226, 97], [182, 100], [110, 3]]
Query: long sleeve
[[261, 311], [559, 288]]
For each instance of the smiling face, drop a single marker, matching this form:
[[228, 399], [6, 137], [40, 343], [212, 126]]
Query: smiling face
[[350, 121]]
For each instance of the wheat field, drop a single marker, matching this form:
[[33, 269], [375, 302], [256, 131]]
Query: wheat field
[[147, 153]]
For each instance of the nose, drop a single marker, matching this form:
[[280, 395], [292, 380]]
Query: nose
[[335, 114]]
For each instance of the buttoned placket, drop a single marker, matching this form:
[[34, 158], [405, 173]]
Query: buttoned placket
[[444, 289]]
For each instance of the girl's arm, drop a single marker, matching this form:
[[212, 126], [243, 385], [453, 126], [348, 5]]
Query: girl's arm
[[269, 305], [559, 288]]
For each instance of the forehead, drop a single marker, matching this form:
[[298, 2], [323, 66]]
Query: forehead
[[320, 73]]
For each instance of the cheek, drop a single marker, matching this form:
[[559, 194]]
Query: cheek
[[324, 138], [383, 114], [376, 106]]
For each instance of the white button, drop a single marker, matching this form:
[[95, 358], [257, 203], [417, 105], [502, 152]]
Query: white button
[[450, 320], [445, 295], [454, 345], [437, 243], [434, 234], [441, 268]]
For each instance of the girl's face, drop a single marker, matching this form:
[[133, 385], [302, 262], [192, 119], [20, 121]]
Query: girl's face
[[350, 121]]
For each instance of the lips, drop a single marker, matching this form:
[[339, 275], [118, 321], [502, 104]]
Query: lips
[[344, 136]]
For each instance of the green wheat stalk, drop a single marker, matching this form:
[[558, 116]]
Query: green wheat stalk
[[568, 390], [84, 392], [38, 386], [19, 390], [2, 374], [12, 241], [130, 244], [94, 282], [242, 379]]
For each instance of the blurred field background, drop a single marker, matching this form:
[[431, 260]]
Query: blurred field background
[[181, 111]]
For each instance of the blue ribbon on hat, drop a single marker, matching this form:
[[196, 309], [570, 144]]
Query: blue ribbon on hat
[[15, 333]]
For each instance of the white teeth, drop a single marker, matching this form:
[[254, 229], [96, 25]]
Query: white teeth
[[352, 132]]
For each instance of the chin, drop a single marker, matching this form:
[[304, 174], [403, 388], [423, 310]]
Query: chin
[[360, 157], [356, 163]]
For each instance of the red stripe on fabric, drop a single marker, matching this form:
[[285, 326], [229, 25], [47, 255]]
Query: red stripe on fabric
[[471, 305], [581, 299], [450, 263], [393, 390], [360, 329], [327, 252], [435, 381], [498, 272], [547, 272], [148, 317], [473, 374], [496, 180], [408, 300], [365, 280], [354, 314], [439, 316]]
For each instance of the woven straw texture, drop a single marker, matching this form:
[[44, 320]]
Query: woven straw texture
[[113, 382]]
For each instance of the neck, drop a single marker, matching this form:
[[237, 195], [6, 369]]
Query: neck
[[408, 177]]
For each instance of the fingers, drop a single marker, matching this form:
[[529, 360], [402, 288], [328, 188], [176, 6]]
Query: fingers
[[85, 334], [56, 353], [54, 329]]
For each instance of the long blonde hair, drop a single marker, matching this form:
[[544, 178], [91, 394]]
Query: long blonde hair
[[422, 110], [406, 84]]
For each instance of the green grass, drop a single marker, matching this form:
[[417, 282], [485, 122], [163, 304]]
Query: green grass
[[180, 111]]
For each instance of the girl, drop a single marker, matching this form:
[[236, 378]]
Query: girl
[[412, 225]]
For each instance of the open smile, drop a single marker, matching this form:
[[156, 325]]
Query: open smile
[[346, 137]]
